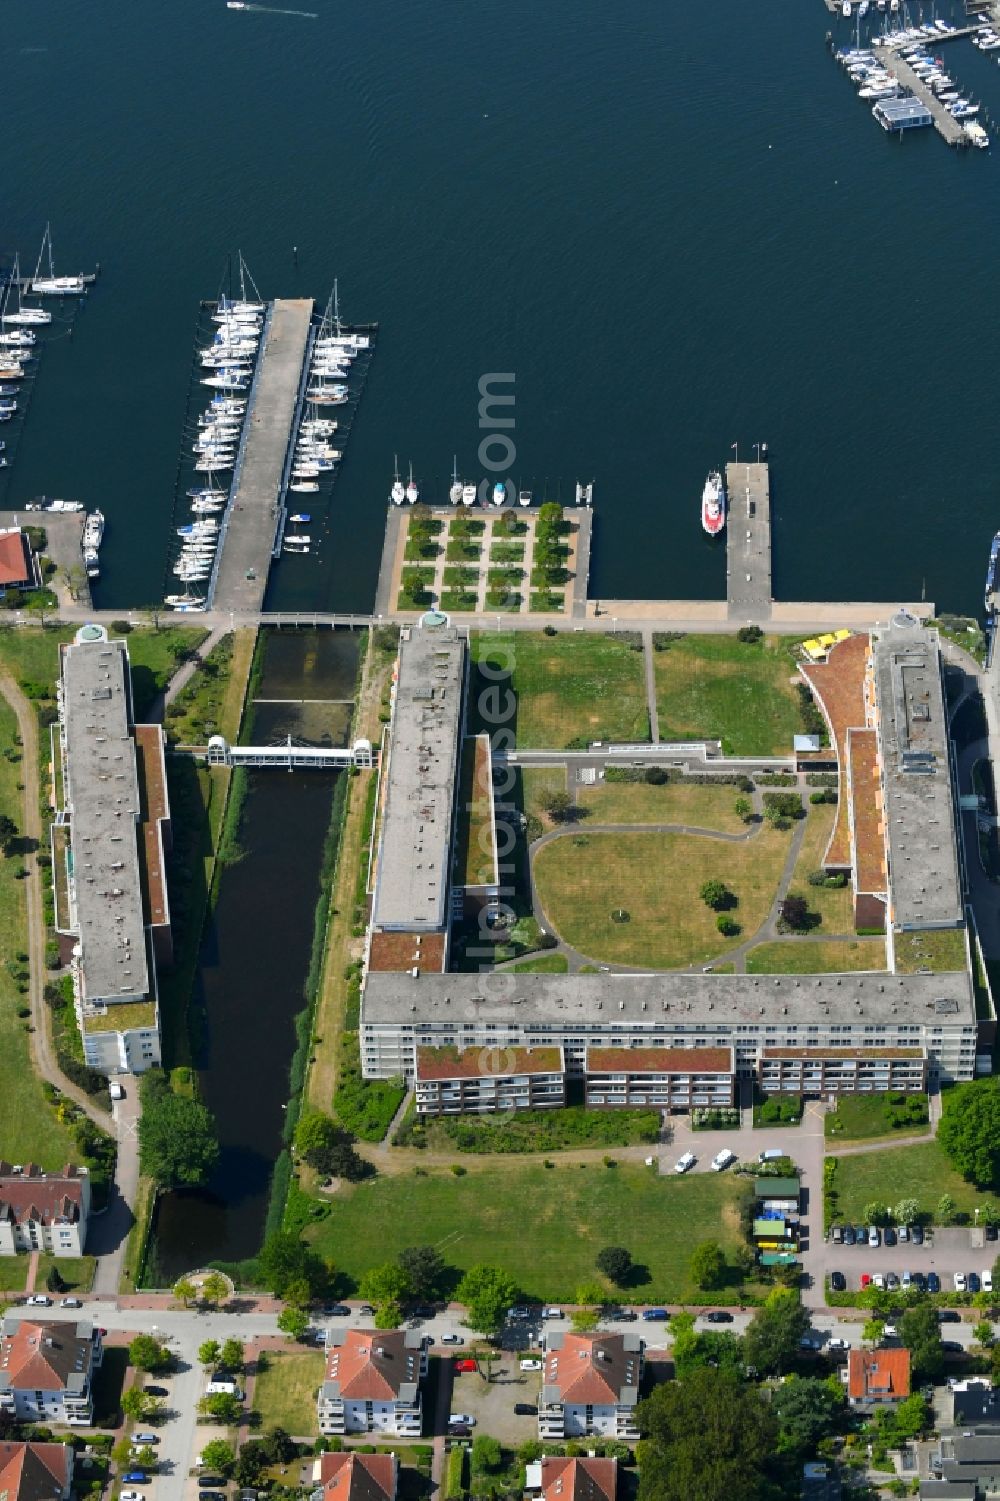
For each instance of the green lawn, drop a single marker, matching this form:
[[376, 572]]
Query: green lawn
[[570, 688], [544, 1226], [547, 602], [77, 1272], [716, 687], [920, 1172], [656, 878], [835, 904], [29, 1130], [860, 1117], [453, 600], [673, 802], [535, 782], [210, 703], [940, 950], [285, 1394], [475, 837], [543, 964], [33, 656], [13, 1273], [807, 956]]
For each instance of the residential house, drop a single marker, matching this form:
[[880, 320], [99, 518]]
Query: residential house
[[560, 1479], [879, 1377], [43, 1211], [969, 1467], [18, 564], [590, 1385], [975, 1404], [46, 1370], [355, 1477], [372, 1382], [35, 1472]]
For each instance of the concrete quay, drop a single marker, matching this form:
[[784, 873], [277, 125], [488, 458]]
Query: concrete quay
[[748, 543], [253, 516]]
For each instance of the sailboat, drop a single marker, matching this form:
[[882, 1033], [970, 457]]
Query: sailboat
[[397, 494], [455, 493], [23, 315], [53, 285], [412, 493]]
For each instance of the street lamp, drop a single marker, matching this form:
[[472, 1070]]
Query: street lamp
[[757, 446]]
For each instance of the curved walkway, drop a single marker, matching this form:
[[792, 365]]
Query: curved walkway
[[41, 1042]]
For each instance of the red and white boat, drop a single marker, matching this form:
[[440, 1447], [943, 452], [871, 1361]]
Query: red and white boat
[[713, 504]]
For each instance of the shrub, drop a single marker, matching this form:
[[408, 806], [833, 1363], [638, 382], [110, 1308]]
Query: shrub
[[826, 795], [656, 776], [726, 926], [750, 634]]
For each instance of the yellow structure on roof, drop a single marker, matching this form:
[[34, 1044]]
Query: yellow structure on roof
[[812, 649], [828, 640], [841, 635]]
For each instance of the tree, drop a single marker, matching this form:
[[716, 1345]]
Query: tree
[[222, 1406], [285, 1260], [615, 1263], [807, 1411], [970, 1131], [209, 1352], [341, 1160], [487, 1292], [946, 1207], [293, 1322], [54, 1282], [871, 1330], [423, 1268], [794, 912], [185, 1292], [122, 1451], [214, 1288], [233, 1355], [9, 832], [709, 1436], [906, 1212], [314, 1133], [485, 1452], [983, 1333], [385, 1285], [708, 1264], [584, 1319], [218, 1457], [771, 1342], [251, 1463], [921, 1334], [743, 808], [139, 1405], [147, 1354], [716, 894], [178, 1144], [556, 802], [874, 1213]]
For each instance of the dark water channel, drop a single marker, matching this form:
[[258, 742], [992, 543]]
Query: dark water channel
[[254, 961]]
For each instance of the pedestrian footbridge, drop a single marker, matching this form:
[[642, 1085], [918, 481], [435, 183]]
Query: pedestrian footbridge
[[288, 754]]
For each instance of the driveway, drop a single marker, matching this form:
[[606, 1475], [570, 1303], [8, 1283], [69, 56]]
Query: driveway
[[109, 1232]]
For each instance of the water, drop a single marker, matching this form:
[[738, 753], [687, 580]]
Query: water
[[677, 225], [253, 964]]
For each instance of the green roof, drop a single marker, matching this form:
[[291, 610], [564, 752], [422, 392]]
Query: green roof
[[777, 1188], [125, 1016]]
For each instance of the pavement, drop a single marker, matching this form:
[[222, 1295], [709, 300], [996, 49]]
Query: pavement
[[108, 1233]]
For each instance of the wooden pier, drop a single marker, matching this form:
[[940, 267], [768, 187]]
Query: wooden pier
[[748, 543], [952, 130], [252, 517]]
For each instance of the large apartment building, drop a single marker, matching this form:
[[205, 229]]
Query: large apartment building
[[43, 1211], [46, 1370], [109, 843]]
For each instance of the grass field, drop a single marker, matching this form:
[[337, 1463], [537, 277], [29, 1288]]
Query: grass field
[[475, 839], [13, 1274], [807, 956], [570, 687], [835, 905], [29, 1129], [544, 1226], [938, 950], [212, 701], [76, 1271], [674, 802], [723, 689], [285, 1394], [33, 656], [535, 782], [920, 1172], [656, 878], [861, 1117]]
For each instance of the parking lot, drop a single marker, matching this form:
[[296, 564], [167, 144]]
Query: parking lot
[[492, 1403], [944, 1251]]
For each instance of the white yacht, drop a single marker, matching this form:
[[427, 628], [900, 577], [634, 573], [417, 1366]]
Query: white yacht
[[499, 493], [397, 494], [412, 492], [468, 495]]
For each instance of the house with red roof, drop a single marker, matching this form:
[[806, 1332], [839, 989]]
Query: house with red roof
[[355, 1477], [18, 564], [561, 1479], [590, 1385], [876, 1378], [43, 1211], [46, 1370], [372, 1382], [35, 1472]]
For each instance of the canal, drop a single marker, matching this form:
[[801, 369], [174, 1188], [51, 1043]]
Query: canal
[[255, 956]]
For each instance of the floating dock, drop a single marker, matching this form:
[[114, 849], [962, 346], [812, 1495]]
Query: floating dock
[[748, 543], [950, 129], [252, 518]]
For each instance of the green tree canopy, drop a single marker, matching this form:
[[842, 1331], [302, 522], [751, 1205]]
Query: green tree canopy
[[8, 832], [771, 1342], [970, 1131], [615, 1263], [147, 1354], [708, 1437], [218, 1457], [487, 1292], [285, 1260], [293, 1322], [185, 1291], [921, 1334], [387, 1283], [209, 1352], [708, 1264], [807, 1410], [423, 1267], [233, 1356], [178, 1143]]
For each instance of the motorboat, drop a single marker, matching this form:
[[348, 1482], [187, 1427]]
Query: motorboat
[[713, 504], [18, 337], [455, 493], [412, 492], [524, 497], [398, 493], [499, 493], [469, 495], [304, 486], [301, 518], [845, 10], [204, 494]]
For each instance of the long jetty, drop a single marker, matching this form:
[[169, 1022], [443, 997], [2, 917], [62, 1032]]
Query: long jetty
[[945, 123], [253, 516], [748, 543]]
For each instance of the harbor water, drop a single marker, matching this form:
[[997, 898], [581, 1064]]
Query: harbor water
[[676, 226]]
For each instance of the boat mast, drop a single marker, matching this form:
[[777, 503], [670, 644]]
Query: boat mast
[[336, 308], [41, 252]]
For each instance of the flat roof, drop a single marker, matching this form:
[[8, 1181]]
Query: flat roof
[[483, 1063], [835, 1053], [919, 812], [667, 1001], [414, 862], [102, 792], [660, 1060], [903, 110]]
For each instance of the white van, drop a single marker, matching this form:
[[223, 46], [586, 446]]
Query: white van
[[683, 1164], [774, 1154], [722, 1159], [116, 1092], [552, 1313], [223, 1388]]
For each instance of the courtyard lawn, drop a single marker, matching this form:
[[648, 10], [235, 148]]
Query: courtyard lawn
[[543, 964], [863, 1117], [715, 687], [673, 802], [940, 950], [77, 1272], [570, 688], [920, 1172], [33, 656], [285, 1394], [14, 1274], [535, 782], [543, 1225], [806, 956], [29, 1129], [583, 878], [475, 839], [835, 905]]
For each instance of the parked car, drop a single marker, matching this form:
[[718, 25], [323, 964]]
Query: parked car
[[367, 1309], [948, 1315], [519, 1313], [136, 1477], [459, 1430], [903, 1234], [987, 1280], [837, 1235], [531, 1365], [960, 1282], [211, 1496], [890, 1331], [952, 1347], [878, 1279], [722, 1159], [906, 1280], [461, 1417], [452, 1339], [336, 1311], [622, 1315], [685, 1163], [839, 1344], [889, 1236], [156, 1391], [70, 1303], [866, 1280], [838, 1282], [773, 1154], [38, 1300], [891, 1280], [933, 1282], [465, 1365], [874, 1236], [552, 1312], [860, 1234], [131, 1496], [973, 1281], [916, 1235], [849, 1235], [991, 1232], [525, 1409], [145, 1438], [919, 1281], [655, 1315], [719, 1316]]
